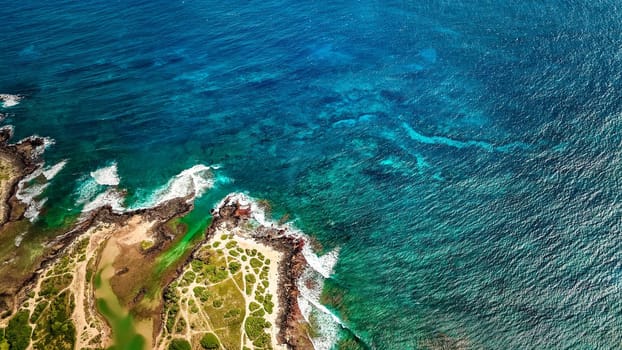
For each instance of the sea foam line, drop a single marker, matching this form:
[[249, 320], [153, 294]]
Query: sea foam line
[[52, 171], [310, 306], [446, 141], [190, 182]]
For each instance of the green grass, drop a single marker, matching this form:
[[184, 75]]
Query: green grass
[[234, 267], [220, 297], [18, 331], [179, 344], [256, 263], [55, 328], [209, 341]]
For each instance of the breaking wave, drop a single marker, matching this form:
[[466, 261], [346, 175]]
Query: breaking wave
[[9, 100], [101, 189], [31, 188], [110, 197], [107, 176]]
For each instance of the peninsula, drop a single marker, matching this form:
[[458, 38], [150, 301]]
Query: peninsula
[[133, 279]]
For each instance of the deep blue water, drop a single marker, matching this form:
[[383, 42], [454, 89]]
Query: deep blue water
[[465, 156]]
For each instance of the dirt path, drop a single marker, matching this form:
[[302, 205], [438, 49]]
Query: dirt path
[[256, 261]]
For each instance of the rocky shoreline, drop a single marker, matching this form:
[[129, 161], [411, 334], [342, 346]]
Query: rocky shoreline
[[24, 158], [20, 160], [292, 325]]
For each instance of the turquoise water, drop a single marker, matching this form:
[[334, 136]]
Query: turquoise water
[[464, 156]]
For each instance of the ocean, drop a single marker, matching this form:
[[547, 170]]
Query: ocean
[[463, 157]]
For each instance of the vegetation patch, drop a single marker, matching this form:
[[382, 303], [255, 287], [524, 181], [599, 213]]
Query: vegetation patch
[[17, 333], [179, 344], [211, 293], [234, 267], [209, 341], [256, 263], [55, 329], [146, 245]]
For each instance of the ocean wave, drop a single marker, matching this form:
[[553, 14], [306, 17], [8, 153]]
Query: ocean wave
[[324, 264], [28, 193], [34, 208], [87, 190], [106, 176], [29, 190], [110, 197], [192, 182], [52, 171], [100, 189], [9, 100], [326, 324]]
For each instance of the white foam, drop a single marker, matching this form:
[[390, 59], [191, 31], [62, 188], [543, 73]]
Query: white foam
[[28, 193], [319, 268], [327, 324], [50, 172], [194, 181], [257, 213], [24, 192], [191, 182], [110, 197], [87, 190], [324, 264], [9, 100], [96, 191], [34, 208], [38, 151], [106, 176]]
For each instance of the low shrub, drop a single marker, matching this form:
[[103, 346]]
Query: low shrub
[[209, 341], [179, 344]]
